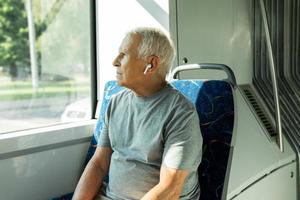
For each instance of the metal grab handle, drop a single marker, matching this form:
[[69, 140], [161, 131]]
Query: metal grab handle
[[273, 76], [214, 66]]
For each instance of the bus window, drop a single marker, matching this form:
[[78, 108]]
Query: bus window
[[44, 62], [115, 18]]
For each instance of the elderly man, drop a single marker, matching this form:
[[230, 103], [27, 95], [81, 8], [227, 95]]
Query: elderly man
[[151, 143]]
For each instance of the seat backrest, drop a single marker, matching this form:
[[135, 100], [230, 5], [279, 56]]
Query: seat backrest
[[111, 88], [215, 107], [214, 103]]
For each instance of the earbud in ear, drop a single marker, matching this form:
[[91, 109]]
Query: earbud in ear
[[147, 68]]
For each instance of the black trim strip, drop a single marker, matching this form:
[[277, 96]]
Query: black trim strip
[[93, 49]]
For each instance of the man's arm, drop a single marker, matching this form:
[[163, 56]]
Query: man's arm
[[169, 186], [91, 179]]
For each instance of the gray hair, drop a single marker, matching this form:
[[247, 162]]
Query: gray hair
[[155, 42]]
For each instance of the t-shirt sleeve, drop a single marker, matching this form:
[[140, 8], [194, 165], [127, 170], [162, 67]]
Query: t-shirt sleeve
[[104, 140], [183, 141]]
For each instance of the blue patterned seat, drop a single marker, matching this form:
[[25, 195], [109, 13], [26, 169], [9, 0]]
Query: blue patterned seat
[[214, 102], [215, 108]]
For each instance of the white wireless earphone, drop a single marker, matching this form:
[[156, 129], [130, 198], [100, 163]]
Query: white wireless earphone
[[149, 66]]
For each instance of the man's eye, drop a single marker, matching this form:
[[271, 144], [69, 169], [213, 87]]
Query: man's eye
[[122, 54]]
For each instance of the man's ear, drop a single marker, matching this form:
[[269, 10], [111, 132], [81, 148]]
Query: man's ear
[[154, 61]]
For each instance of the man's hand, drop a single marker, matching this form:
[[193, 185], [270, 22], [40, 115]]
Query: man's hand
[[169, 186], [91, 179]]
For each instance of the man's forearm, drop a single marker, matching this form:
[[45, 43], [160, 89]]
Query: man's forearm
[[170, 185], [89, 183], [159, 192]]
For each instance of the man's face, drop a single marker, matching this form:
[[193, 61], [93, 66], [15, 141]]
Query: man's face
[[129, 66]]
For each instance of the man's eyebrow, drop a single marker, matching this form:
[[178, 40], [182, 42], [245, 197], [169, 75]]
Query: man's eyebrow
[[123, 50]]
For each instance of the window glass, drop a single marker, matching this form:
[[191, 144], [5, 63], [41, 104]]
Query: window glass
[[115, 18], [44, 63]]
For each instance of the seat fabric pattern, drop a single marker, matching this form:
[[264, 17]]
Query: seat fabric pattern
[[215, 108], [111, 88], [214, 104]]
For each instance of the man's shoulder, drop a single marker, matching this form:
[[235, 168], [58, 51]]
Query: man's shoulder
[[121, 95], [180, 99]]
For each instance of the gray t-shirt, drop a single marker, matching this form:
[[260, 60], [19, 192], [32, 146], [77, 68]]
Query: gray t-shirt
[[146, 133]]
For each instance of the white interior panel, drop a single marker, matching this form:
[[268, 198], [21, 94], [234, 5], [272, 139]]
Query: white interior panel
[[254, 154], [214, 31], [278, 185], [43, 164]]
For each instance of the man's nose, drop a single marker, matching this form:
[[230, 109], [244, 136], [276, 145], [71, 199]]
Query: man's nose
[[116, 62]]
